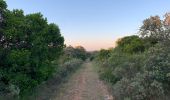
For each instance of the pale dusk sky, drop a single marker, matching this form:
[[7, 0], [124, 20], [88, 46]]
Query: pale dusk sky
[[94, 24]]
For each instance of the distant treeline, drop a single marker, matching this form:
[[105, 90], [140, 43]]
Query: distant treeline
[[138, 68]]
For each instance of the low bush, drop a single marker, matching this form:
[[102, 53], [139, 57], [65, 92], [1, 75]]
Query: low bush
[[68, 67], [141, 87]]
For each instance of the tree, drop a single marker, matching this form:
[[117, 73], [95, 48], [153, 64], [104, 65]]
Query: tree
[[131, 44], [80, 52], [151, 27], [155, 29], [167, 19], [3, 4], [28, 45]]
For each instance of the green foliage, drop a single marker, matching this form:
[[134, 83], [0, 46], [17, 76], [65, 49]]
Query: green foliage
[[3, 5], [158, 63], [138, 68], [64, 69], [78, 52], [108, 76], [68, 67], [103, 54], [28, 45], [140, 76], [141, 87], [131, 44]]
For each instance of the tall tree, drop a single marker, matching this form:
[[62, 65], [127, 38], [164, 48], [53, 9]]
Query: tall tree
[[156, 29]]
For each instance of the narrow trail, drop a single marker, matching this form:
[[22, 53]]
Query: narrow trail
[[84, 85]]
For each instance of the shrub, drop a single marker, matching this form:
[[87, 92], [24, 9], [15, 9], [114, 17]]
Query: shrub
[[141, 87], [158, 62]]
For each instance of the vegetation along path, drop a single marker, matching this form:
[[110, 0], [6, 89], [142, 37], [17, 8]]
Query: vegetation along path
[[84, 85]]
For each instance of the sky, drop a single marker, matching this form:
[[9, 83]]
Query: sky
[[94, 24]]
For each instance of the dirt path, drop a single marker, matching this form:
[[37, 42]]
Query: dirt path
[[84, 85]]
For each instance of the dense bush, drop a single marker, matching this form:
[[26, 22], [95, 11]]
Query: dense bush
[[158, 63], [32, 51], [28, 45], [138, 68], [64, 69], [141, 87], [69, 66], [131, 44]]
